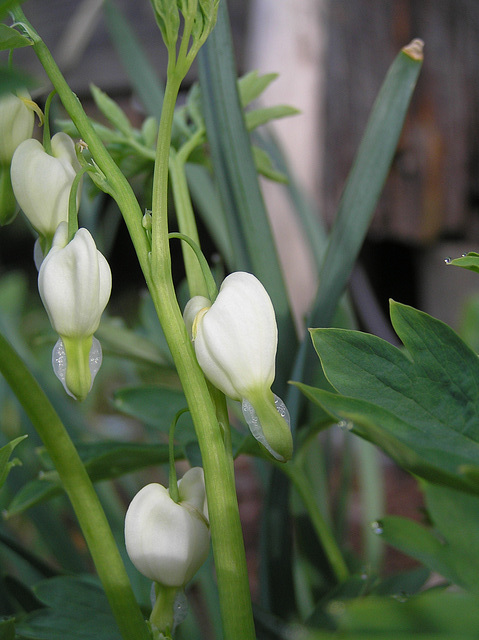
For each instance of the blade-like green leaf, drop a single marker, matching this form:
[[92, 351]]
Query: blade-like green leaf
[[103, 461], [366, 180], [5, 463], [237, 179]]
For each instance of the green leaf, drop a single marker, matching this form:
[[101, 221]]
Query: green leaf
[[265, 166], [7, 629], [233, 163], [5, 463], [76, 608], [6, 5], [112, 112], [418, 542], [252, 85], [168, 19], [469, 261], [420, 406], [103, 461], [258, 117], [156, 407], [436, 614], [11, 39], [365, 182]]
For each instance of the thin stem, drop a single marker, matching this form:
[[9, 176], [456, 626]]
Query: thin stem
[[325, 536], [187, 225], [79, 488]]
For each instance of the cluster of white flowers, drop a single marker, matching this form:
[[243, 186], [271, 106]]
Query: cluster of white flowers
[[74, 278], [235, 340]]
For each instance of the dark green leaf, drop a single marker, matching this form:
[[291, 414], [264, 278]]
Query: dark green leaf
[[421, 407], [77, 609], [7, 629], [237, 178], [156, 407], [5, 463], [103, 461], [456, 615]]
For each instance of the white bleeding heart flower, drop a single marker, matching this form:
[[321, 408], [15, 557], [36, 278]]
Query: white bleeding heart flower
[[235, 340], [74, 282], [168, 541], [42, 182], [16, 123]]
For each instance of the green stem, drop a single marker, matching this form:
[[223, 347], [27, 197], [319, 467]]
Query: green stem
[[228, 546], [187, 225], [227, 538], [79, 488], [325, 536]]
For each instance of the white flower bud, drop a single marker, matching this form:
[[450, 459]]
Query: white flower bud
[[16, 124], [236, 337], [74, 282], [235, 341], [42, 182], [168, 541]]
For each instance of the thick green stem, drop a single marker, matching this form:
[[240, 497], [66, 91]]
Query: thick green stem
[[79, 488], [228, 546], [322, 529], [227, 538]]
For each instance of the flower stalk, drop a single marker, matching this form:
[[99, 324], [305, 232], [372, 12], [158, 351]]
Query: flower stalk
[[227, 539], [80, 491]]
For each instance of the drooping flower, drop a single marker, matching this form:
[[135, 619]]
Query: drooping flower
[[42, 182], [235, 340], [168, 541], [16, 124], [74, 282]]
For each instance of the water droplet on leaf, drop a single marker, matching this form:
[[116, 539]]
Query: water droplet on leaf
[[447, 260], [345, 424]]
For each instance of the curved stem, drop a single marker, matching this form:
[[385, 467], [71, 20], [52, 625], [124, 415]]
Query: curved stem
[[187, 225], [79, 488]]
